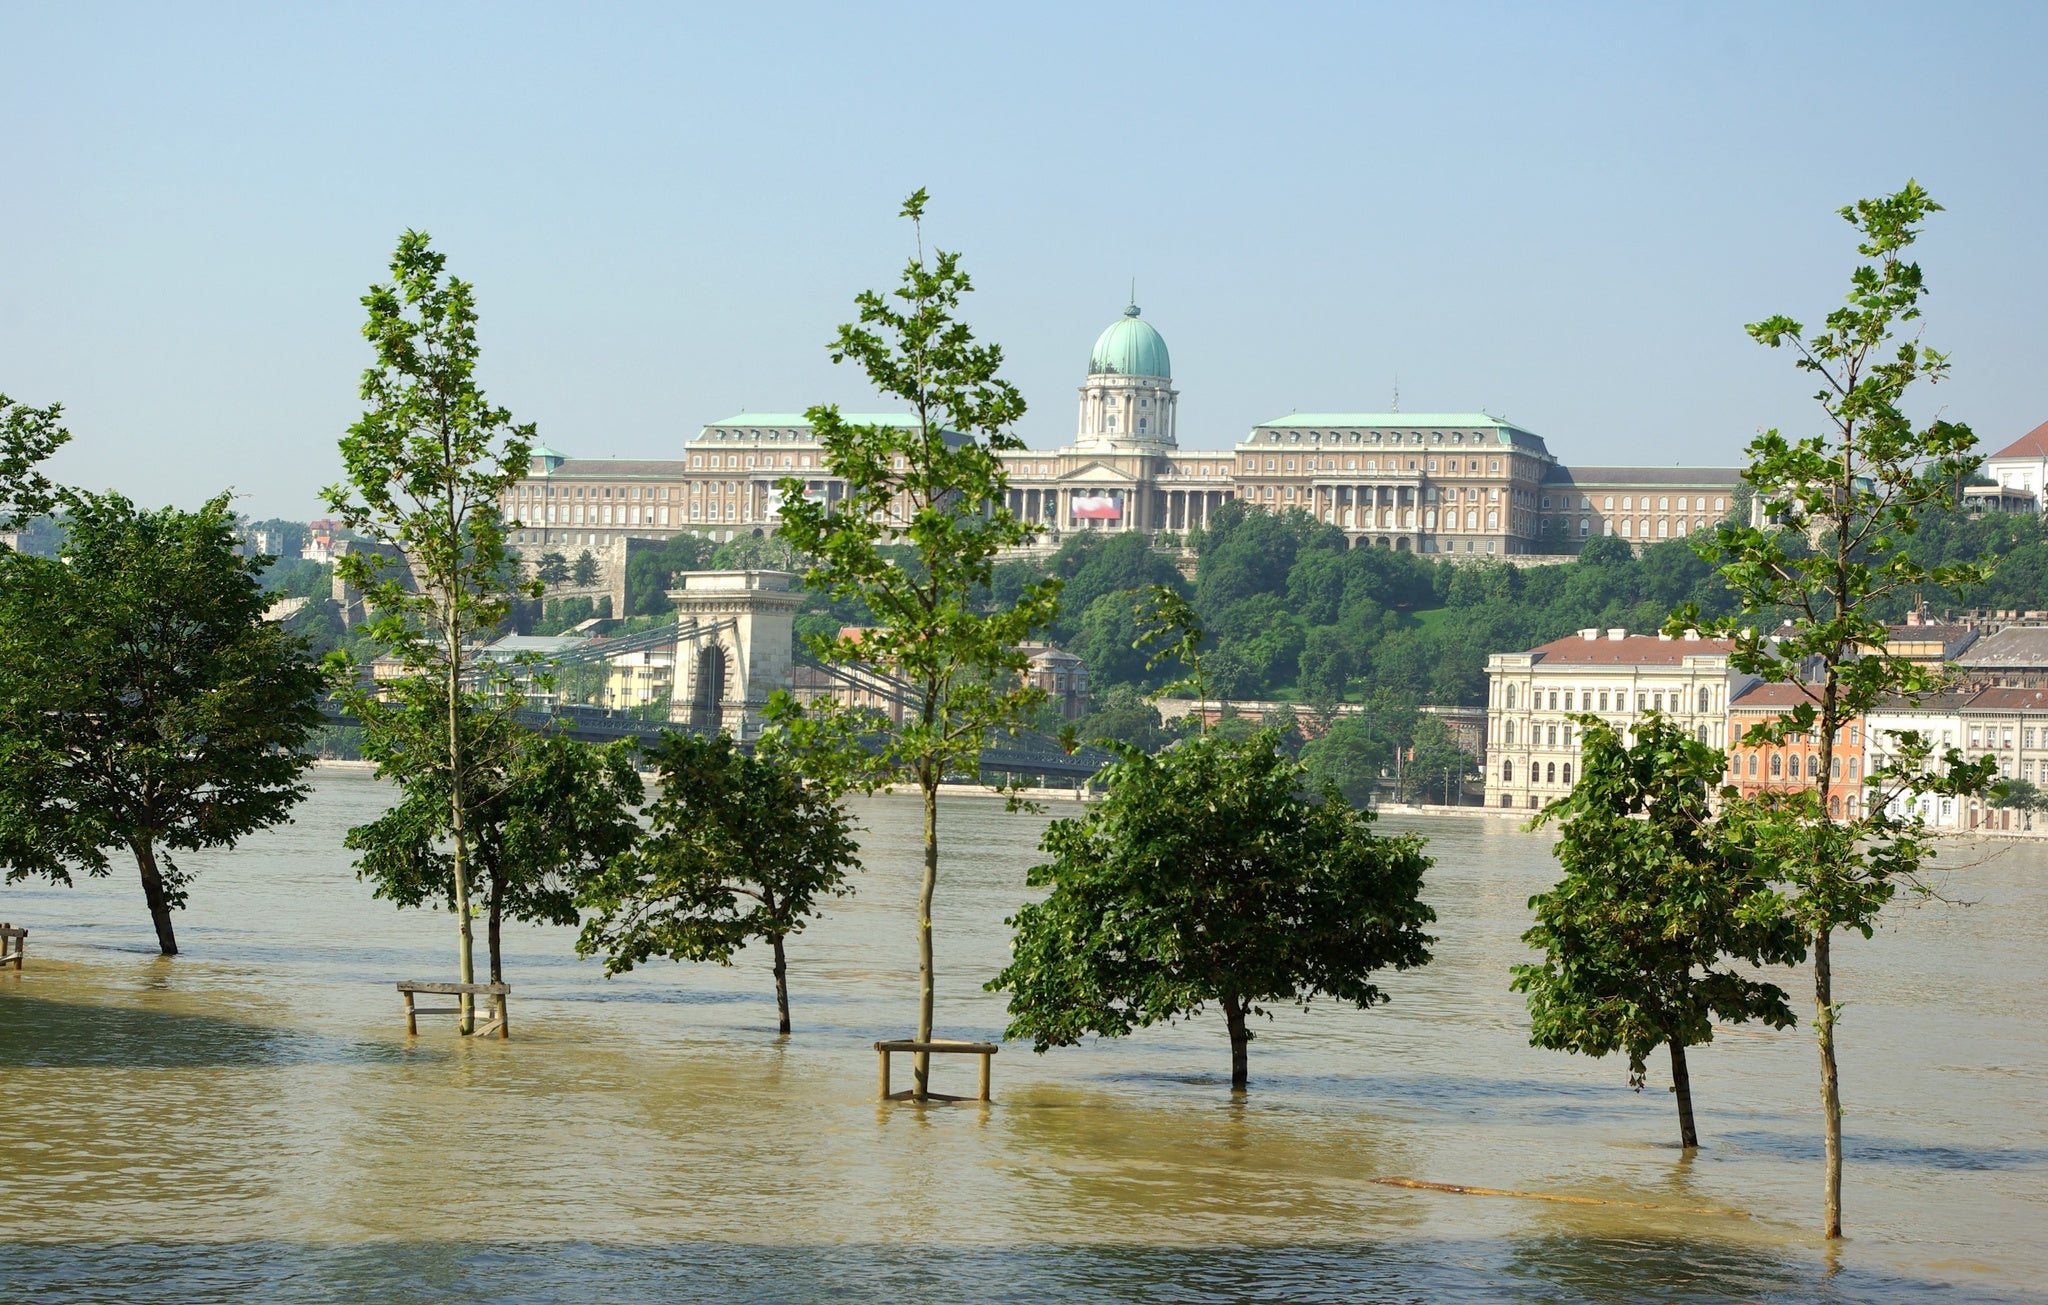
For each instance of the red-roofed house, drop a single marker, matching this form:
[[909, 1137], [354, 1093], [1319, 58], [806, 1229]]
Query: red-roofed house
[[1532, 743], [2022, 464]]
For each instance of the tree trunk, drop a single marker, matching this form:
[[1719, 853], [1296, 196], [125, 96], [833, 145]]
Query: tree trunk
[[781, 982], [1240, 1039], [1681, 1087], [1830, 1084], [153, 893], [494, 933], [458, 835], [921, 1062]]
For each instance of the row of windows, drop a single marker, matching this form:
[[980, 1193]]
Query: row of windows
[[1645, 700], [1628, 503], [1371, 464], [1787, 766], [1378, 437]]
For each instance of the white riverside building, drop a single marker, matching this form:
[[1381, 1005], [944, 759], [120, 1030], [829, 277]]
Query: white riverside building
[[1532, 750]]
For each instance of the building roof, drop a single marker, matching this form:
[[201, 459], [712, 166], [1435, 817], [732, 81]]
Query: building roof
[[2033, 444], [797, 419], [1130, 347], [2009, 700], [1629, 650], [617, 468], [2015, 647], [1690, 477], [1773, 697]]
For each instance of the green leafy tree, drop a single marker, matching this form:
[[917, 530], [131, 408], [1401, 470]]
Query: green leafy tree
[[1348, 756], [544, 812], [585, 571], [935, 486], [1205, 876], [1436, 763], [428, 465], [1641, 937], [551, 569], [145, 704], [27, 437], [1850, 499], [740, 848]]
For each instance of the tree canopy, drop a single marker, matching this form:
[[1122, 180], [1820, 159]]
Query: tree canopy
[[145, 704], [1205, 876]]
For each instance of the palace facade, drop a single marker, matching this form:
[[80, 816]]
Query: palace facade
[[1446, 483]]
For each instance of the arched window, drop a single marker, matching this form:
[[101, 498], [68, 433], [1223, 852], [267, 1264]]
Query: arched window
[[1835, 768], [1507, 772], [1550, 773], [1508, 727], [1700, 733], [1511, 697], [1752, 765], [1777, 765], [1567, 773], [1706, 699], [1834, 806]]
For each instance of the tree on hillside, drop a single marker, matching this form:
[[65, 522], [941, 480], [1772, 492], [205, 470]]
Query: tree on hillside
[[544, 812], [1851, 499], [1205, 877], [651, 572], [1641, 937], [936, 485], [740, 848], [1348, 756], [585, 570], [145, 704], [551, 569], [428, 465], [1436, 764], [27, 437]]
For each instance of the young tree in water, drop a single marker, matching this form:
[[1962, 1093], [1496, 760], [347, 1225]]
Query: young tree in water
[[1640, 936], [27, 436], [145, 704], [933, 486], [428, 466], [543, 813], [1849, 498], [1205, 876], [740, 848]]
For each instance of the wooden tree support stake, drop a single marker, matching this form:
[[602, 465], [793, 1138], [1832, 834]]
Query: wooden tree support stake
[[985, 1050]]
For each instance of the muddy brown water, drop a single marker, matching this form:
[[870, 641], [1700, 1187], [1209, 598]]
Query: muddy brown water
[[249, 1122]]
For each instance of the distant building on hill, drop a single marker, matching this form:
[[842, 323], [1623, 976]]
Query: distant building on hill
[[2023, 464], [1460, 483]]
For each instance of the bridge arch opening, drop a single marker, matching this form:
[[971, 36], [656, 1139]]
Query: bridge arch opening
[[709, 694]]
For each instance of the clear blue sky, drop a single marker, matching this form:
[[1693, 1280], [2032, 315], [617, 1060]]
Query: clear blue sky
[[1560, 213]]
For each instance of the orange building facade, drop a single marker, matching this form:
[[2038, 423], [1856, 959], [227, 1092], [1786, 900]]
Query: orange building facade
[[1794, 764]]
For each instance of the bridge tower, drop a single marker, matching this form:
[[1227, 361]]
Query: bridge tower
[[733, 647]]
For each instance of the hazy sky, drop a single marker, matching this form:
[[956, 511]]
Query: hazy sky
[[1563, 214]]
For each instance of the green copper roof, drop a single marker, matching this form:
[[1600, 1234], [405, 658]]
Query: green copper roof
[[1386, 420], [1129, 347], [797, 419]]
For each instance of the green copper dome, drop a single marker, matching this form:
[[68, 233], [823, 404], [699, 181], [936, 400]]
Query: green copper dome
[[1129, 348]]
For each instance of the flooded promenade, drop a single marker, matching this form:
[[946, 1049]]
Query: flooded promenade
[[249, 1121]]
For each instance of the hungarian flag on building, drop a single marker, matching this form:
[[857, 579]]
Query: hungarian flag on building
[[1099, 507]]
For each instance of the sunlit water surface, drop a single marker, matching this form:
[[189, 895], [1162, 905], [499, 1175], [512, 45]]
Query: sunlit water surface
[[250, 1122]]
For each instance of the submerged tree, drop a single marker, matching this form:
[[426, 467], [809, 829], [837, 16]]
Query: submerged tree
[[428, 466], [1205, 876], [1640, 937], [145, 704], [544, 812], [740, 848], [915, 539], [1848, 500]]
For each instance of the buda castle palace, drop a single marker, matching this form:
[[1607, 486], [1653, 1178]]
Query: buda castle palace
[[1445, 483]]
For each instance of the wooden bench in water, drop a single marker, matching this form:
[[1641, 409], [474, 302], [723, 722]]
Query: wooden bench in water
[[13, 942], [500, 1022], [983, 1049]]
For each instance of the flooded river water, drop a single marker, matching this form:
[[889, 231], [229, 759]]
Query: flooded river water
[[249, 1121]]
